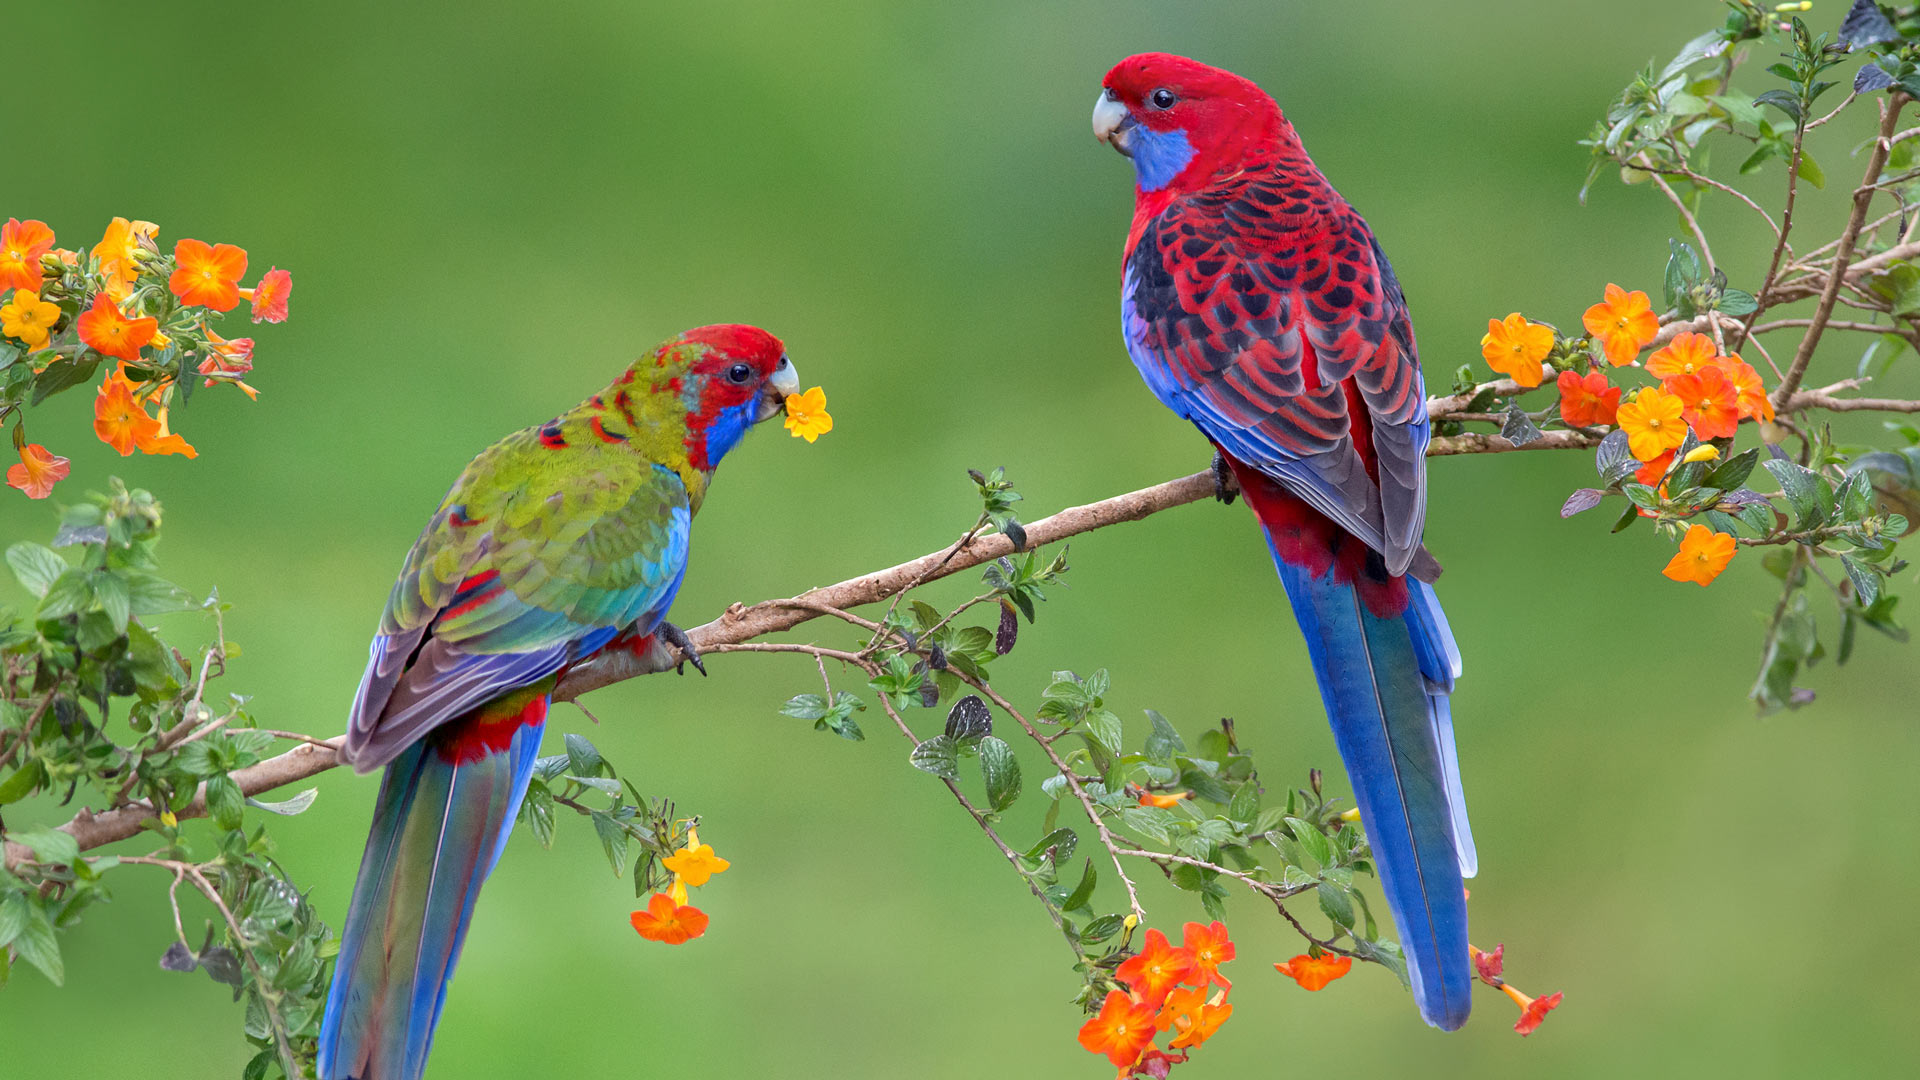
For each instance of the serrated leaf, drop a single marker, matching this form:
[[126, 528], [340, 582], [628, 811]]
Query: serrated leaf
[[969, 719], [49, 845], [36, 566], [1000, 770], [1518, 428], [937, 756], [1737, 302], [1614, 459]]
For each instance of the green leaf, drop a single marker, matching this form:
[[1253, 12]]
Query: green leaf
[[15, 912], [1737, 302], [1805, 489], [937, 756], [805, 707], [613, 840], [37, 946], [1312, 840], [225, 804], [24, 782], [1062, 840], [1104, 727], [1149, 821], [1731, 473], [1810, 170], [1866, 583], [1000, 769], [36, 566], [70, 593], [111, 591], [49, 845], [1335, 905], [969, 719], [1246, 803], [62, 374], [1518, 428], [1102, 928], [151, 595], [1614, 460], [1082, 892], [1163, 741], [582, 758]]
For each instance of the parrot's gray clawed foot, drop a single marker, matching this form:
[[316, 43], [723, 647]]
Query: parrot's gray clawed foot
[[1225, 487], [678, 638]]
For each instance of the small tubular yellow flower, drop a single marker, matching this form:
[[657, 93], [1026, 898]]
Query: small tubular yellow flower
[[1704, 452], [1515, 347], [807, 415]]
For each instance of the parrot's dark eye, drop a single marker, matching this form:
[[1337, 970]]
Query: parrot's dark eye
[[1163, 98], [740, 374]]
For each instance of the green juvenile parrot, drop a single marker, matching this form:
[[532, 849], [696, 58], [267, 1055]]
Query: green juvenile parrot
[[556, 543]]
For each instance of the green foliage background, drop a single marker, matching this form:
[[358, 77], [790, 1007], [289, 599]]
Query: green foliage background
[[489, 208]]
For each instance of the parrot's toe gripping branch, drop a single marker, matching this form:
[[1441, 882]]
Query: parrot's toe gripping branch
[[1225, 487], [678, 638]]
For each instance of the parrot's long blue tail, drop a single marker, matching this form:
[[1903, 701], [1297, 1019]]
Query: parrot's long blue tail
[[1385, 681], [446, 806]]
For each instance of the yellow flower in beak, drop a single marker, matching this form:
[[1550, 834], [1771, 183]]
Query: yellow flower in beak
[[807, 415]]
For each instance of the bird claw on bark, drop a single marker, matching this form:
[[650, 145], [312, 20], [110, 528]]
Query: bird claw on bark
[[678, 638], [1226, 487]]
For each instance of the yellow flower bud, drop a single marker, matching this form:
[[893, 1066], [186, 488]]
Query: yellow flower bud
[[167, 819], [1130, 921], [1703, 452], [1351, 815]]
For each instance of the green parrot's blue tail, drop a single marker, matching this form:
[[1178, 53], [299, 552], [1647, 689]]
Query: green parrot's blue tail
[[446, 806], [1385, 675]]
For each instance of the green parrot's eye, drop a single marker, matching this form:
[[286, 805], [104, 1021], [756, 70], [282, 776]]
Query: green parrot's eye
[[1163, 98], [740, 374]]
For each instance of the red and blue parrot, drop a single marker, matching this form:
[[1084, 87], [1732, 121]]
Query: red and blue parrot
[[1257, 304], [555, 543]]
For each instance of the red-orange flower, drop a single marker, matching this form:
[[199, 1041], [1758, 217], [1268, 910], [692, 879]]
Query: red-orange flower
[[1164, 802], [1314, 972], [1703, 554], [37, 472], [1686, 354], [21, 245], [270, 296], [207, 276], [1654, 471], [1752, 393], [664, 920], [1623, 324], [1488, 964], [117, 250], [1532, 1010], [118, 419], [1210, 948], [1157, 968], [109, 332], [1710, 404], [1589, 401], [1192, 1017], [161, 441], [1122, 1031]]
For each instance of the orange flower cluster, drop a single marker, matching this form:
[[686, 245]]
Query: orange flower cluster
[[669, 919], [61, 307], [1167, 990], [1314, 972], [1700, 392], [1532, 1010]]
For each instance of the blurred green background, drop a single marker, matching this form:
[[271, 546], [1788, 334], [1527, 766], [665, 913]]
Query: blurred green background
[[490, 208]]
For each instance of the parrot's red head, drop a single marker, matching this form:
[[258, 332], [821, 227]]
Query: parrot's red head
[[1181, 121], [734, 377]]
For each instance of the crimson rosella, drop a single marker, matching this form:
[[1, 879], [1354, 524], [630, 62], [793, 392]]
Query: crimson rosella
[[555, 543], [1257, 304]]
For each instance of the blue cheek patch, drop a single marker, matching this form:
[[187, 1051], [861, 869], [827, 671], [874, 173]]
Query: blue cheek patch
[[727, 429], [1159, 156]]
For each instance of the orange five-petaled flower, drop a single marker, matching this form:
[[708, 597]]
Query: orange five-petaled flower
[[207, 276], [1653, 423], [1192, 1017], [1587, 401], [1515, 347], [1686, 354], [21, 245], [1624, 323], [807, 416], [1703, 554], [666, 921], [1122, 1031], [28, 318], [1156, 969], [37, 472], [1709, 401], [109, 332], [695, 864], [1314, 972], [1210, 947]]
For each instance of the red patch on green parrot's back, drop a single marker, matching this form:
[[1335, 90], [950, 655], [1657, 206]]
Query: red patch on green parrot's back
[[487, 730], [550, 436], [604, 434], [459, 519], [472, 593]]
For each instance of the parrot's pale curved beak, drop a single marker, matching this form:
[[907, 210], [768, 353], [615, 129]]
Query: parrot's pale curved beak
[[781, 385], [1113, 124]]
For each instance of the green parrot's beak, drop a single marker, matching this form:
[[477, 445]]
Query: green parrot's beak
[[1112, 123], [782, 384]]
